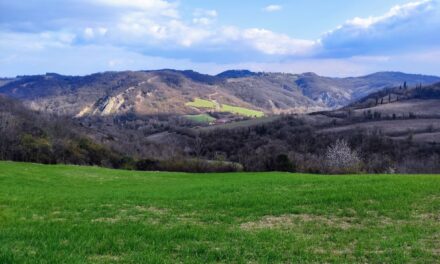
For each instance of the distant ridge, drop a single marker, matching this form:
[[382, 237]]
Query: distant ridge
[[236, 74], [169, 91]]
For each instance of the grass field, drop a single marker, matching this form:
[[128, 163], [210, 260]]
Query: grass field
[[202, 118], [242, 111], [69, 214], [201, 103]]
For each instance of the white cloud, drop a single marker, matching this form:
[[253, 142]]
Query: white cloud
[[146, 29], [273, 8], [90, 33], [272, 43], [204, 17], [137, 28], [204, 21], [140, 29], [397, 12], [205, 13], [161, 7], [34, 41], [147, 25], [404, 27]]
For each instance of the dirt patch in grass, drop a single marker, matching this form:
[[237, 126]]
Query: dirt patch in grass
[[109, 220], [151, 209], [432, 244], [429, 216], [105, 258], [130, 213], [289, 221]]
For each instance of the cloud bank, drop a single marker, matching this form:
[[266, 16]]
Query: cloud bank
[[37, 33]]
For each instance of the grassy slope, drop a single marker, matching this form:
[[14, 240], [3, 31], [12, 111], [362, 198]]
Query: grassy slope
[[201, 103], [202, 118], [241, 111], [66, 214]]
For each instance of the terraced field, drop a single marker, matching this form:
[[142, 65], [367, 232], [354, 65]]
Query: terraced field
[[71, 214]]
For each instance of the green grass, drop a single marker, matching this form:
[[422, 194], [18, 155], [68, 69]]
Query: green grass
[[201, 103], [69, 214], [241, 111], [202, 118]]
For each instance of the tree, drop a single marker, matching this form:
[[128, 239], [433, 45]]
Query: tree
[[340, 158], [198, 146], [282, 163]]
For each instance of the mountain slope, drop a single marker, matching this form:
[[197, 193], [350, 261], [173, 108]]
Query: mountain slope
[[170, 91], [37, 137], [398, 101]]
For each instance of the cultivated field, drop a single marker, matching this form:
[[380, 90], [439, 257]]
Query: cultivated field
[[69, 214], [213, 105], [202, 118], [201, 103]]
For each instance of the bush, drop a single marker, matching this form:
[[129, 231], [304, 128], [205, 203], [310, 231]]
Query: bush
[[147, 165]]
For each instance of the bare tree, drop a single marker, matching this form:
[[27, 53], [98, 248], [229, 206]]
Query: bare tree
[[340, 158], [198, 146]]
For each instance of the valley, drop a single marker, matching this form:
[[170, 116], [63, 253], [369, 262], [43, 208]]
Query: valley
[[243, 132], [150, 120]]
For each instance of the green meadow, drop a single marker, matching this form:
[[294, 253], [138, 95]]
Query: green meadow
[[201, 103], [202, 118], [72, 214], [241, 111]]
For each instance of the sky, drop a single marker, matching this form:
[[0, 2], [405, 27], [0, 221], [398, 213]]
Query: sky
[[333, 38]]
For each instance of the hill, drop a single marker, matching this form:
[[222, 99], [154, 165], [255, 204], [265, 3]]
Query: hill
[[106, 216], [37, 137], [399, 112], [393, 129], [170, 91]]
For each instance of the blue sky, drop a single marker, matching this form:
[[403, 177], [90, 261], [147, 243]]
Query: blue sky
[[334, 38]]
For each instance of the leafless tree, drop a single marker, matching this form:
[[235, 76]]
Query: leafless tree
[[198, 146]]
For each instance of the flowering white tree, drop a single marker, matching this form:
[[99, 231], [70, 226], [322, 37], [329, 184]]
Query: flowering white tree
[[340, 158]]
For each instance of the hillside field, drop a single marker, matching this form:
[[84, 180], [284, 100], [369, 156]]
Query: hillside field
[[202, 118], [72, 214], [202, 104]]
